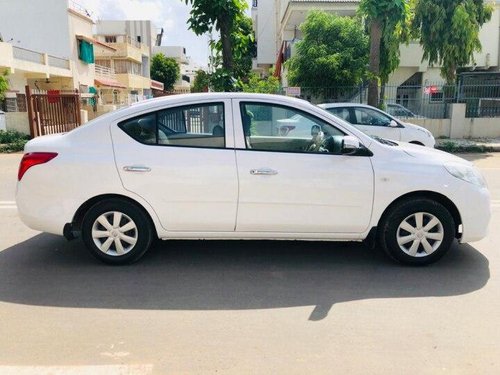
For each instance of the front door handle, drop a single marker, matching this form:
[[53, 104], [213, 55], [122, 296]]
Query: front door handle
[[136, 168], [263, 172]]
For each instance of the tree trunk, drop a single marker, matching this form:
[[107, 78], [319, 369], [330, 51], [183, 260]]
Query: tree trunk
[[227, 48], [375, 40]]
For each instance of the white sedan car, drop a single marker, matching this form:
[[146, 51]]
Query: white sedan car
[[373, 121], [215, 166]]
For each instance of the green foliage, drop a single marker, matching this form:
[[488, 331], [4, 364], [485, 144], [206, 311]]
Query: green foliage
[[243, 50], [449, 32], [228, 18], [333, 52], [165, 70], [381, 9], [201, 81], [454, 147], [222, 80], [207, 15], [4, 84], [389, 23], [12, 141], [267, 85]]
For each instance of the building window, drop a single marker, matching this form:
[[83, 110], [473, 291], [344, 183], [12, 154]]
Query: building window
[[110, 38], [139, 38], [127, 67], [254, 3]]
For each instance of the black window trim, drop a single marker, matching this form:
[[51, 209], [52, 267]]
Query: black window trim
[[363, 151], [155, 112], [400, 125]]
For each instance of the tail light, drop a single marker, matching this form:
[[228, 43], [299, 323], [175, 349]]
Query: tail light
[[33, 158]]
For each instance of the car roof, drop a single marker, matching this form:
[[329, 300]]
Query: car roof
[[343, 105], [171, 100]]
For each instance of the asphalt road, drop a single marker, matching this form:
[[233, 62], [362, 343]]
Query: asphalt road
[[245, 307]]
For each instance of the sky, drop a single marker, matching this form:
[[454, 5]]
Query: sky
[[172, 15]]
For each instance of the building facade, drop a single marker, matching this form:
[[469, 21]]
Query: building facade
[[123, 74], [42, 48], [277, 29]]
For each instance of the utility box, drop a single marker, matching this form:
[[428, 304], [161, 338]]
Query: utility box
[[3, 125]]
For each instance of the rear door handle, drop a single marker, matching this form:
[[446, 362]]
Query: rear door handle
[[263, 172], [136, 168]]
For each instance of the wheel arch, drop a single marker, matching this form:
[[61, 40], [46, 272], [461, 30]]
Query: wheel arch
[[440, 198], [76, 224]]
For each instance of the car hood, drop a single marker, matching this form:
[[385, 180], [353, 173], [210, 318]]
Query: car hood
[[416, 127], [430, 154]]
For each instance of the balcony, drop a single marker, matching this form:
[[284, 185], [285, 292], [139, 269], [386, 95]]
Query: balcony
[[33, 62], [293, 12], [124, 47]]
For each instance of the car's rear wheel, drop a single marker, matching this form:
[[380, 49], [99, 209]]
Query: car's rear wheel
[[417, 231], [116, 231]]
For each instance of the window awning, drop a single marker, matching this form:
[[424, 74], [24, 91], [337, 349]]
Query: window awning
[[95, 42], [108, 82]]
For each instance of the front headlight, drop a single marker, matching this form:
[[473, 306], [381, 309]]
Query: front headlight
[[466, 173]]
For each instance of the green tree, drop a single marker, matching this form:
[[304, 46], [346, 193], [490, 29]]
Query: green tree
[[221, 15], [201, 81], [386, 19], [267, 85], [4, 84], [449, 32], [243, 49], [165, 70], [333, 52]]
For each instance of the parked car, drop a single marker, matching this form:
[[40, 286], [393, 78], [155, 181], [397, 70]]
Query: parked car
[[373, 121], [153, 170]]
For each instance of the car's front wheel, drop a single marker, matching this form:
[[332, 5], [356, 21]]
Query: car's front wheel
[[116, 231], [417, 231]]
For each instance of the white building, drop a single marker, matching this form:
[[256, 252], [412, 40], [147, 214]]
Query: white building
[[277, 22], [123, 74], [188, 68], [44, 39]]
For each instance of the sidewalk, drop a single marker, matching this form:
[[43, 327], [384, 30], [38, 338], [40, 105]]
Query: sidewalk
[[469, 145]]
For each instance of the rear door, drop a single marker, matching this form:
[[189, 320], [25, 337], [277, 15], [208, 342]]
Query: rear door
[[182, 161]]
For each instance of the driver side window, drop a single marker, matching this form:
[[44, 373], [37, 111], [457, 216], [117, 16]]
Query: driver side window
[[367, 116], [270, 127]]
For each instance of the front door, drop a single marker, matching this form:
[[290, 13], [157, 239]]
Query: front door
[[181, 160], [298, 183]]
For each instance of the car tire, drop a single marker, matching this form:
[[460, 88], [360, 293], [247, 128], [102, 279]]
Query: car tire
[[417, 231], [117, 232]]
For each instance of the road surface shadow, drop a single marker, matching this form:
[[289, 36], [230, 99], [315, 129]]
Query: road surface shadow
[[227, 275]]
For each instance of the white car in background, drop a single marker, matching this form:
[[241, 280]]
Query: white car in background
[[216, 166], [375, 122]]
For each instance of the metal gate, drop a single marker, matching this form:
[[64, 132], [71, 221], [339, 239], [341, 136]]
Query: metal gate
[[52, 111]]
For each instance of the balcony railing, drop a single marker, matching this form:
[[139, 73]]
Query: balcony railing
[[105, 72], [79, 8], [58, 62], [28, 55]]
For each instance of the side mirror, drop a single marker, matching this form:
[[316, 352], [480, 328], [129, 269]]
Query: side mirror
[[350, 145], [393, 124]]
